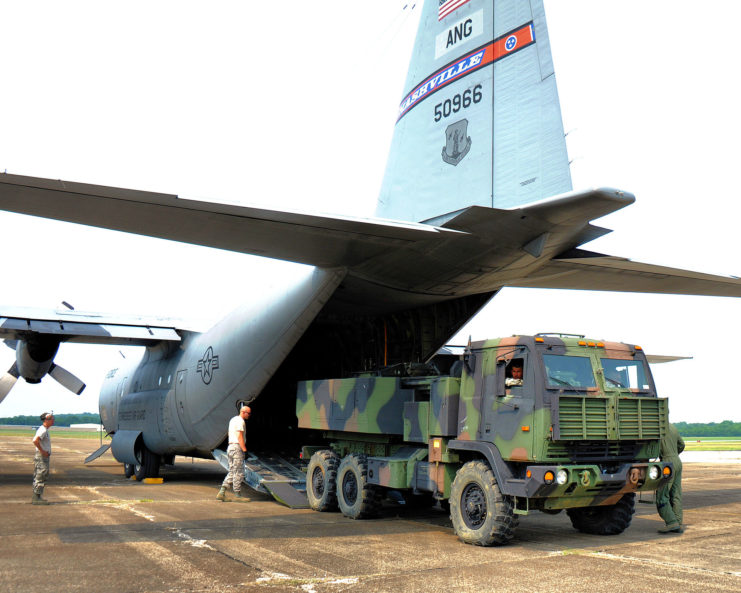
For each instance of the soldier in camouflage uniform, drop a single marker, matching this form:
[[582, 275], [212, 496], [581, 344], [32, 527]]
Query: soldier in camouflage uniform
[[669, 496], [42, 442], [235, 452]]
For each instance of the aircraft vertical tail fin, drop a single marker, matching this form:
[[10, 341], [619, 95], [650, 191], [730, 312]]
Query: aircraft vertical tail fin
[[480, 123]]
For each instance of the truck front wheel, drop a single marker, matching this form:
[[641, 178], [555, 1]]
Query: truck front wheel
[[480, 513], [604, 520], [356, 498], [321, 480]]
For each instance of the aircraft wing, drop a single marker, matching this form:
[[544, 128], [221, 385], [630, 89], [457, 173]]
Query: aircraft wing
[[321, 241], [473, 251], [85, 328], [585, 270]]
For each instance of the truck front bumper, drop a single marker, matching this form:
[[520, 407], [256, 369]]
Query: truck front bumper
[[566, 486]]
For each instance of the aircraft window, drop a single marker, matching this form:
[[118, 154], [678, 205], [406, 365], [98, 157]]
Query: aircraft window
[[625, 374], [568, 371]]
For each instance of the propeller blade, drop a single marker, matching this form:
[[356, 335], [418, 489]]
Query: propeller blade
[[7, 381], [12, 344], [66, 379]]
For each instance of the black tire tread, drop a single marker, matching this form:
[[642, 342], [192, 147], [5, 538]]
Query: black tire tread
[[604, 520], [499, 527], [370, 496], [329, 462]]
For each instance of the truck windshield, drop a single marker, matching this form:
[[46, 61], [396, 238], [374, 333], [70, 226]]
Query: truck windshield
[[568, 371], [625, 374]]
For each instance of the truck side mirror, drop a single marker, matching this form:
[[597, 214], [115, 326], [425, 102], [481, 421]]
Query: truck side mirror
[[501, 389]]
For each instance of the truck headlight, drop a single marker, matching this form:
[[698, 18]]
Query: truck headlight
[[654, 472], [562, 476]]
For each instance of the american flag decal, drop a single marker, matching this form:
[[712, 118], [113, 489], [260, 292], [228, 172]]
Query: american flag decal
[[445, 7]]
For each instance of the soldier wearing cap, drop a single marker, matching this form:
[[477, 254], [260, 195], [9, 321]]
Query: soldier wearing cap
[[669, 495], [42, 442]]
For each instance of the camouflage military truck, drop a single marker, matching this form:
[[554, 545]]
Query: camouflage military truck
[[577, 431]]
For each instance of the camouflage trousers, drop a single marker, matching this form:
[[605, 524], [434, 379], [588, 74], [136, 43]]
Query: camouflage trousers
[[40, 472], [236, 468], [669, 498]]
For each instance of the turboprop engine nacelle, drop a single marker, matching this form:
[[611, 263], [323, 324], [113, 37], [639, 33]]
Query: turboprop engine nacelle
[[34, 358]]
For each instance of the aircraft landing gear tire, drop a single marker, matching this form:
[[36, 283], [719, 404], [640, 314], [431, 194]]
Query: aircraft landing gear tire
[[321, 480], [128, 470], [149, 467], [356, 498], [480, 513]]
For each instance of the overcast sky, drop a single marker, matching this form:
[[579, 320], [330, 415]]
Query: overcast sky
[[291, 105]]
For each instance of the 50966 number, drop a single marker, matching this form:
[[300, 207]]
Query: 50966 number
[[458, 102]]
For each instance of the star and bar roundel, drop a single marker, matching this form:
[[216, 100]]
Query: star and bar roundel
[[207, 365], [493, 51]]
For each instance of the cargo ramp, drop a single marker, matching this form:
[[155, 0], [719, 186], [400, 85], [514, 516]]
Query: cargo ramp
[[271, 474]]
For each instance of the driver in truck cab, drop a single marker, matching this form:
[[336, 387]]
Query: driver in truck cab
[[514, 373]]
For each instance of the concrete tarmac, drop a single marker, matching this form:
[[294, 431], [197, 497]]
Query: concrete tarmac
[[104, 533]]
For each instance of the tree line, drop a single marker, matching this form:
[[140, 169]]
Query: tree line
[[59, 419], [726, 428]]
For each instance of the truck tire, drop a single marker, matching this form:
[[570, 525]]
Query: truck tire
[[480, 513], [321, 480], [356, 498], [604, 520]]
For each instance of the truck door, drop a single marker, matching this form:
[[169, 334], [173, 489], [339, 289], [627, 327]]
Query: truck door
[[508, 418]]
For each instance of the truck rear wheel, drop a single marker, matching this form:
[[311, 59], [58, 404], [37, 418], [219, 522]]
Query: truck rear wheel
[[480, 513], [321, 480], [604, 520], [356, 498]]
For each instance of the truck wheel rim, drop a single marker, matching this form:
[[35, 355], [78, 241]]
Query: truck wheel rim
[[473, 506], [349, 488], [317, 482]]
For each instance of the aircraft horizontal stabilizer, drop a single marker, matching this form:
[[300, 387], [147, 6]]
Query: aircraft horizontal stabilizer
[[661, 358], [321, 241], [585, 270]]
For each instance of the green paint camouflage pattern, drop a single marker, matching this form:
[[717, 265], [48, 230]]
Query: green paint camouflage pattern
[[420, 430]]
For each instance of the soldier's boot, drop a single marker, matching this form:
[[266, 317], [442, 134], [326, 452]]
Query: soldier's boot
[[239, 497], [36, 499], [671, 528], [221, 495]]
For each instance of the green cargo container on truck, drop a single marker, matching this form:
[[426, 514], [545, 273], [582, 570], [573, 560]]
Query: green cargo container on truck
[[578, 432]]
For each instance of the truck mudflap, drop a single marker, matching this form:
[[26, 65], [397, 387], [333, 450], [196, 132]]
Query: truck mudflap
[[272, 475], [567, 486]]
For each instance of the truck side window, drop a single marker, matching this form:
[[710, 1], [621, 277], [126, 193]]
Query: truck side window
[[515, 373]]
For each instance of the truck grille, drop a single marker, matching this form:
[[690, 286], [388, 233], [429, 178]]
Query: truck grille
[[584, 451], [604, 418], [641, 418], [582, 418]]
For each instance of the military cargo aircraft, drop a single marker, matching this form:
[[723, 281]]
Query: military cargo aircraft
[[477, 196]]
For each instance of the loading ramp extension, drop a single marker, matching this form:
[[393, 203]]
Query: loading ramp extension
[[271, 474]]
